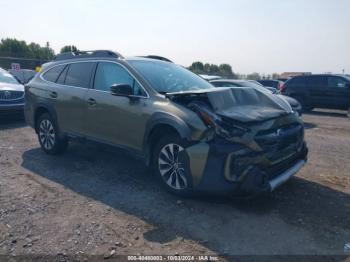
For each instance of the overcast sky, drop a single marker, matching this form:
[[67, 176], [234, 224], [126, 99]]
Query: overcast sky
[[264, 36]]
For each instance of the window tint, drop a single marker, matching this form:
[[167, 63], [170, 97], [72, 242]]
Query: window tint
[[62, 76], [217, 84], [79, 74], [338, 82], [267, 82], [53, 73], [108, 74], [317, 81], [297, 81], [224, 84]]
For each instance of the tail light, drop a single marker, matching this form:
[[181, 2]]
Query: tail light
[[281, 87]]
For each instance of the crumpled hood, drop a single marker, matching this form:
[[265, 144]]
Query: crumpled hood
[[244, 104], [11, 87]]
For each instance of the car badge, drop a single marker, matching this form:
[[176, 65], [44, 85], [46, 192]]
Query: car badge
[[7, 94]]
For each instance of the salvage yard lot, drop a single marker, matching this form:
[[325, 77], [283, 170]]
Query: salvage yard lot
[[94, 199]]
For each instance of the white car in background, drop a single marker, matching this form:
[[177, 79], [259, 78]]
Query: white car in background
[[11, 94]]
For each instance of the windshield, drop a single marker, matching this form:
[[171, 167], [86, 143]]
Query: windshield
[[168, 77], [7, 78]]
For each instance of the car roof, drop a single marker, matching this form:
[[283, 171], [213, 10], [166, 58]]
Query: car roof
[[112, 59], [341, 75]]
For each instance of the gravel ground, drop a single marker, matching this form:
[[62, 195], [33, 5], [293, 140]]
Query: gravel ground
[[96, 200]]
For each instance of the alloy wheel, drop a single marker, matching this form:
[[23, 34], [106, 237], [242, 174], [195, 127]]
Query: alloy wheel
[[171, 168], [47, 134]]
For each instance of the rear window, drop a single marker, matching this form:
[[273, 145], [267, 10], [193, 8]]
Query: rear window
[[52, 74], [79, 74]]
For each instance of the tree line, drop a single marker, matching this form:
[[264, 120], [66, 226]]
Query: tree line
[[13, 48], [224, 70]]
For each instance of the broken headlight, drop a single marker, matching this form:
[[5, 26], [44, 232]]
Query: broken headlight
[[223, 127]]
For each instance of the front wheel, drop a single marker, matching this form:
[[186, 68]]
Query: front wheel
[[50, 140], [171, 164]]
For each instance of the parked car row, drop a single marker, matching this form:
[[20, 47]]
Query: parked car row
[[304, 92]]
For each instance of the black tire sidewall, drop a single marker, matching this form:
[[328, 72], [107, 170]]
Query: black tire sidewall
[[168, 139]]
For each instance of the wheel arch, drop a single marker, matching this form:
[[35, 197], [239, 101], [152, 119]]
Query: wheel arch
[[160, 124], [40, 109]]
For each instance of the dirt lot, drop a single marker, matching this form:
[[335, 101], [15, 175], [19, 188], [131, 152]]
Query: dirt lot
[[93, 200]]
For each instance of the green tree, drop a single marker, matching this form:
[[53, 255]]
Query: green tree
[[197, 67], [15, 48], [225, 70], [214, 70], [207, 68], [69, 48]]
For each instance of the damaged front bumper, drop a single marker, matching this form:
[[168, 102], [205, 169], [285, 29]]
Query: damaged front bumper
[[221, 167]]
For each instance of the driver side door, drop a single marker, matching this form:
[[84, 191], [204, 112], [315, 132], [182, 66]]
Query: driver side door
[[116, 120]]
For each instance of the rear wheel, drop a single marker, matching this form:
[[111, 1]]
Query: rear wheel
[[171, 164], [49, 138]]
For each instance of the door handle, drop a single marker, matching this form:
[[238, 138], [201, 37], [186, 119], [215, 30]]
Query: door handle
[[91, 101], [53, 94]]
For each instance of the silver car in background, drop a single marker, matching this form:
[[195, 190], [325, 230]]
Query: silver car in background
[[11, 95]]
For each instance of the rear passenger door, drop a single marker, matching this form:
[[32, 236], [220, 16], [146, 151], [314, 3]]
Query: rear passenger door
[[71, 106], [339, 92], [318, 89]]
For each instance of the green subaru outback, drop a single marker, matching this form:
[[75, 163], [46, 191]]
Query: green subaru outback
[[197, 138]]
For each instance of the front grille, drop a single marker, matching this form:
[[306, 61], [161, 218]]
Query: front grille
[[7, 95], [280, 139]]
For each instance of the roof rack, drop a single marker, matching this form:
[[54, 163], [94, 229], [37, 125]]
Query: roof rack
[[87, 54], [158, 58]]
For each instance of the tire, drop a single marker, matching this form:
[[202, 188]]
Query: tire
[[303, 102], [349, 113], [173, 169], [49, 138]]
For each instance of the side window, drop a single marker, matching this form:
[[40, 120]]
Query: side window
[[317, 81], [229, 85], [108, 74], [217, 84], [52, 74], [79, 74], [224, 84], [62, 76], [336, 82], [297, 81]]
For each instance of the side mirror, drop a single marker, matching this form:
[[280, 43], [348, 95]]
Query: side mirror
[[121, 90]]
